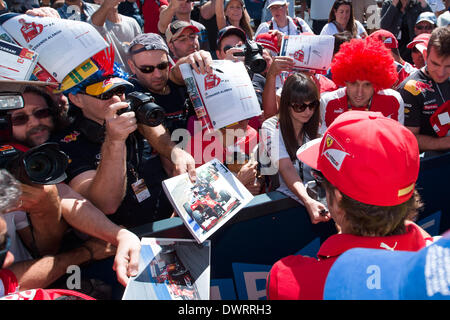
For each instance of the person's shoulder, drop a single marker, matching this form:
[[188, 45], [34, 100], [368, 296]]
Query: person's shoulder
[[92, 6], [390, 93], [198, 25], [262, 28], [410, 84], [328, 29], [332, 95], [270, 123]]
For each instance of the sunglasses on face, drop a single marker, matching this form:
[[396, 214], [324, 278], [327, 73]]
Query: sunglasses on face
[[4, 250], [119, 91], [22, 118], [150, 69], [300, 107], [424, 27]]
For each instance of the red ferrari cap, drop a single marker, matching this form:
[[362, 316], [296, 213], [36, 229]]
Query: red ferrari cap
[[368, 157], [422, 39], [386, 37]]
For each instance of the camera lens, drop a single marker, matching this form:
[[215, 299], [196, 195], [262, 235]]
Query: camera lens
[[45, 165], [258, 65], [39, 166]]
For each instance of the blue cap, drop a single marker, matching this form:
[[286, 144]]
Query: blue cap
[[377, 274]]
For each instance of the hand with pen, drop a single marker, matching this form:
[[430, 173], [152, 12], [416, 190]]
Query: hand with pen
[[200, 61]]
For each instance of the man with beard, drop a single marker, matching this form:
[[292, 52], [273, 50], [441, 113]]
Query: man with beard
[[32, 125]]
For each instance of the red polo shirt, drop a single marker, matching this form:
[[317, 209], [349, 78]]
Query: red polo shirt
[[299, 277], [388, 102]]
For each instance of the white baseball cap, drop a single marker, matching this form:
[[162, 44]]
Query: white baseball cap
[[277, 2]]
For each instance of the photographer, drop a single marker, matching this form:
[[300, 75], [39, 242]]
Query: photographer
[[40, 273], [31, 127], [110, 164], [52, 208], [231, 42]]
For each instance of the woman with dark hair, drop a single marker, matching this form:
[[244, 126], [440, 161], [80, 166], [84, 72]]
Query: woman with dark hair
[[233, 12], [341, 19], [296, 124]]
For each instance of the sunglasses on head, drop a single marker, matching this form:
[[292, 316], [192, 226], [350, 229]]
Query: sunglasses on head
[[4, 250], [150, 69], [22, 118], [119, 91], [300, 107]]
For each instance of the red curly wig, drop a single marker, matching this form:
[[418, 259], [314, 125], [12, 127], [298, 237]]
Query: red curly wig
[[364, 59]]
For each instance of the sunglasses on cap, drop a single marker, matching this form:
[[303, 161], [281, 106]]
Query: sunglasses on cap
[[119, 91], [300, 107], [4, 250], [22, 118], [149, 69]]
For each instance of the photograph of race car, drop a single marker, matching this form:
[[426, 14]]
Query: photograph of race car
[[207, 206], [167, 268]]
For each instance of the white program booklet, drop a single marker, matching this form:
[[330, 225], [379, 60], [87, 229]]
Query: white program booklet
[[62, 44], [206, 205], [16, 62], [171, 269], [309, 52], [224, 97]]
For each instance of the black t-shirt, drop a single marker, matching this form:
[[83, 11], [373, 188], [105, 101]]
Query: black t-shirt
[[259, 82], [422, 97], [82, 142], [176, 104], [211, 28]]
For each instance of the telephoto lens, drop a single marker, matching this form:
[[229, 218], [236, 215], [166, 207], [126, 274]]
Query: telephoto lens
[[44, 164]]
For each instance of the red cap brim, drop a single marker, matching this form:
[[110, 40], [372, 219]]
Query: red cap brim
[[309, 153]]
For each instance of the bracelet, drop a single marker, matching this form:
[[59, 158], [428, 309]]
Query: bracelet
[[91, 253]]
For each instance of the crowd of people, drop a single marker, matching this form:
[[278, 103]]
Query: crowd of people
[[383, 101]]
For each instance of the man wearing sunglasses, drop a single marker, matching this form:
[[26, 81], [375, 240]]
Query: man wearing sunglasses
[[111, 164], [149, 62], [41, 272], [426, 23], [365, 72], [33, 124]]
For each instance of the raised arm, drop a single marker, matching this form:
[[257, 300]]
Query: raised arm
[[220, 15], [166, 15]]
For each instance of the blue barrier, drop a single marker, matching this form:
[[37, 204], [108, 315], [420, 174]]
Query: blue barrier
[[273, 226]]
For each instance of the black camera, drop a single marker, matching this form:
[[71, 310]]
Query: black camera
[[43, 164], [252, 52], [146, 110]]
